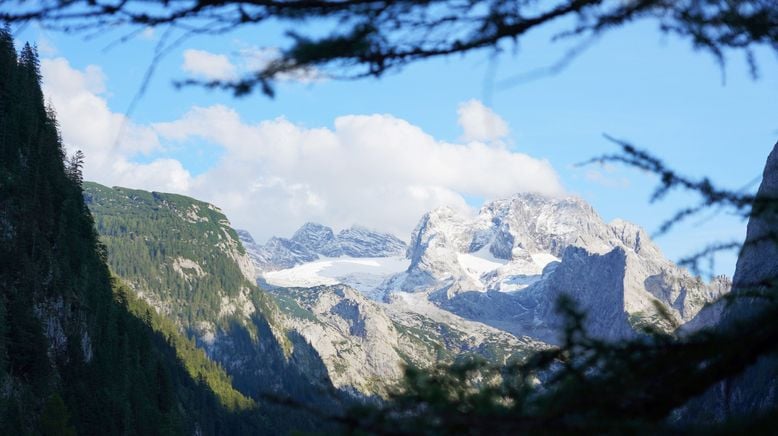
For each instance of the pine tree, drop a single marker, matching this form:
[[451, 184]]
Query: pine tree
[[75, 167]]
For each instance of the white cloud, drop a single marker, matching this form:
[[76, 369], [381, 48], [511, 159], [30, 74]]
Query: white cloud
[[208, 65], [272, 176], [376, 170], [480, 123], [109, 140], [165, 175]]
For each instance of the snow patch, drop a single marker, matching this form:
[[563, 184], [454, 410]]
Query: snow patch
[[364, 274], [479, 263], [541, 260]]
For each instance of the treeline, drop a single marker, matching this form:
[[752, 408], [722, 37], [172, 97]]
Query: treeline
[[78, 354]]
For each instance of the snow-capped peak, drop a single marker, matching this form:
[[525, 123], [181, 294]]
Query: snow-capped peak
[[508, 246], [314, 236], [313, 241]]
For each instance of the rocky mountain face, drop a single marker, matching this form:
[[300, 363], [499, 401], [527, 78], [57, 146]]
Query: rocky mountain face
[[758, 262], [756, 271], [593, 281], [755, 391], [312, 241], [365, 345], [476, 285], [485, 285], [356, 339], [711, 314], [322, 342], [277, 253], [365, 338], [507, 266]]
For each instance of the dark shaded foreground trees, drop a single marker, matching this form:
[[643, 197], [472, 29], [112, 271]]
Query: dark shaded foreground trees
[[79, 353], [721, 379], [653, 383], [371, 37]]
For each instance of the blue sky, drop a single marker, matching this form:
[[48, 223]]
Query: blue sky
[[634, 83]]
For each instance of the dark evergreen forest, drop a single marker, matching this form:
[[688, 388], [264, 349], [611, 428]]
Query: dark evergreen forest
[[79, 353]]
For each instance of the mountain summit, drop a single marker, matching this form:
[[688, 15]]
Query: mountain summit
[[507, 267], [312, 241]]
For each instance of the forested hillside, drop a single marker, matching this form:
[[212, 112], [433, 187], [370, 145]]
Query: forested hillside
[[79, 354], [178, 253], [180, 256]]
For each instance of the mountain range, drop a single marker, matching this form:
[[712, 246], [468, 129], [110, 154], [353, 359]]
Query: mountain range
[[340, 315], [368, 304], [322, 344], [507, 267], [313, 241], [124, 311]]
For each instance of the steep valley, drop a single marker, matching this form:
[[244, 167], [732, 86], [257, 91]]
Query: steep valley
[[340, 315]]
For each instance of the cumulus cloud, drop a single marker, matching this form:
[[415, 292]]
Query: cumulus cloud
[[479, 123], [208, 65], [376, 170], [109, 140], [272, 176]]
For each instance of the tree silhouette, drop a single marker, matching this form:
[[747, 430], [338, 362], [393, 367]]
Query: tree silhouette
[[75, 167], [372, 37], [655, 382], [681, 382]]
